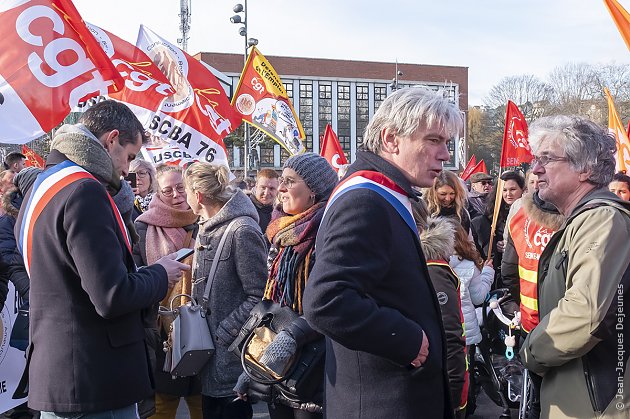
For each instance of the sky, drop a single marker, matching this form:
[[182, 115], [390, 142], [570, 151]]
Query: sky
[[493, 38]]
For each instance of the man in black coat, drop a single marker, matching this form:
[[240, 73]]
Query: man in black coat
[[369, 291], [87, 354]]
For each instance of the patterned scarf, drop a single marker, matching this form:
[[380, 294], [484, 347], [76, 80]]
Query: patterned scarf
[[294, 238], [143, 203]]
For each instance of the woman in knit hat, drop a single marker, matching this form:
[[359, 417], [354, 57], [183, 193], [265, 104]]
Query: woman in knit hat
[[305, 185]]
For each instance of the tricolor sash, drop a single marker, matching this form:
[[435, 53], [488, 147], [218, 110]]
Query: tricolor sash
[[382, 185], [47, 185]]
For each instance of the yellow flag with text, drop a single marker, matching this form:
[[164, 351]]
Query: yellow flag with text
[[618, 130], [262, 101]]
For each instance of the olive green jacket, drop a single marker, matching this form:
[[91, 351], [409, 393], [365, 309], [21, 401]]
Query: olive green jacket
[[580, 346]]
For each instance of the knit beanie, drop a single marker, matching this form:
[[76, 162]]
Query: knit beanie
[[317, 173], [25, 178]]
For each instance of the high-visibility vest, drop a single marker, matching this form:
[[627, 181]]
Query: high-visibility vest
[[530, 239]]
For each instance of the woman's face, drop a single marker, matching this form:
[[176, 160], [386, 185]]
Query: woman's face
[[511, 191], [143, 181], [172, 191], [295, 196], [620, 189], [446, 196]]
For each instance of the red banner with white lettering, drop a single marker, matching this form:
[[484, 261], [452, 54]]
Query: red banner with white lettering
[[145, 86], [262, 101], [469, 167], [199, 115], [49, 63], [32, 158], [331, 149], [515, 148]]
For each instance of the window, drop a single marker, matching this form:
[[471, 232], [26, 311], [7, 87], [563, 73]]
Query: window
[[325, 105], [363, 110], [343, 116], [306, 112], [380, 93]]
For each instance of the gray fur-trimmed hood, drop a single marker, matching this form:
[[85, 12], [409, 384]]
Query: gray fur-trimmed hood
[[438, 239]]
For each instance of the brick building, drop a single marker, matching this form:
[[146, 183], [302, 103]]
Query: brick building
[[342, 93]]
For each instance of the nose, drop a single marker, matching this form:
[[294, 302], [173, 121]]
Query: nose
[[443, 153], [282, 187], [537, 168]]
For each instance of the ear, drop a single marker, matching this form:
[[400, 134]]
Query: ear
[[109, 139], [585, 176], [389, 141], [199, 198]]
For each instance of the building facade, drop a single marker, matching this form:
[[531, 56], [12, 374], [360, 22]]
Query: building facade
[[340, 92]]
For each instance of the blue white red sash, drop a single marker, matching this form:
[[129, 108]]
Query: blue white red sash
[[382, 185], [47, 185]]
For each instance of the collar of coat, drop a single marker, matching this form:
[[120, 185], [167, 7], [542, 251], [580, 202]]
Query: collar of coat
[[596, 198], [366, 160]]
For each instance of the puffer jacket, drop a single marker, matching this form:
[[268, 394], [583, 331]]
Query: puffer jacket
[[581, 346], [238, 285], [474, 287]]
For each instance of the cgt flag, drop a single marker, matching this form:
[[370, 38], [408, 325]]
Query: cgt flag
[[621, 18], [617, 129], [469, 167], [145, 86], [49, 63], [515, 149], [199, 115], [32, 158], [262, 101], [331, 149]]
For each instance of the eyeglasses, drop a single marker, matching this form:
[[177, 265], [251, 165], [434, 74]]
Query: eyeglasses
[[168, 192], [288, 182], [142, 173], [544, 160], [486, 182]]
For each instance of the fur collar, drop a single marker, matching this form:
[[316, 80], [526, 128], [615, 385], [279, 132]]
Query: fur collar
[[544, 218], [438, 238]]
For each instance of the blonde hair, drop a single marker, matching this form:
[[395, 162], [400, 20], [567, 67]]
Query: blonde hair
[[445, 178], [211, 181]]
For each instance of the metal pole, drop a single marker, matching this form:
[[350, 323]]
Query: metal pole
[[246, 127]]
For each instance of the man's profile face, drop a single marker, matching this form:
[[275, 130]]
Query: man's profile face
[[122, 155], [483, 186], [266, 190], [18, 165]]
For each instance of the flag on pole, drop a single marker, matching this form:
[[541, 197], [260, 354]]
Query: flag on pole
[[262, 101], [621, 17], [145, 86], [515, 149], [479, 168], [615, 126], [49, 63], [331, 149], [469, 167], [32, 158], [199, 115]]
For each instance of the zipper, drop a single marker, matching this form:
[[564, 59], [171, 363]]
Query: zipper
[[590, 386], [565, 255]]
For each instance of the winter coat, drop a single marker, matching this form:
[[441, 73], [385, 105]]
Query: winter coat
[[87, 350], [474, 287], [238, 285], [9, 253], [581, 346], [370, 293], [264, 213], [476, 203]]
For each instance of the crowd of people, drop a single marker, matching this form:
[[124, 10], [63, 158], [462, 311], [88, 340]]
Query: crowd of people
[[387, 264]]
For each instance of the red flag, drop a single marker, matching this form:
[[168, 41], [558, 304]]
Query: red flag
[[261, 100], [471, 164], [145, 85], [515, 148], [49, 63], [331, 149], [199, 115], [32, 158], [479, 168]]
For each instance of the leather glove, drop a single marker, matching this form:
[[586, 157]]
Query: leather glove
[[279, 353], [242, 384]]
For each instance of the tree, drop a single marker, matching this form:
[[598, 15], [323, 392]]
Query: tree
[[524, 90]]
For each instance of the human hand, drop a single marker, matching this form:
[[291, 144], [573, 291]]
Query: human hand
[[279, 353], [174, 269], [424, 352], [500, 246], [241, 387], [489, 263]]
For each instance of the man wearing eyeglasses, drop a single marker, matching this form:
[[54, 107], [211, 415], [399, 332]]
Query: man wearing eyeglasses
[[481, 185], [581, 346]]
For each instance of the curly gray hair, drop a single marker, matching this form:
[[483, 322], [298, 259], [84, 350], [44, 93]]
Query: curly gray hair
[[406, 110], [587, 146]]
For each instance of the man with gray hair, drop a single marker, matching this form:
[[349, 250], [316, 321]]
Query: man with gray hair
[[583, 275], [369, 291]]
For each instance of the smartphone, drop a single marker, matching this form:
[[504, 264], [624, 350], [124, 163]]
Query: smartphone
[[131, 178], [183, 254]]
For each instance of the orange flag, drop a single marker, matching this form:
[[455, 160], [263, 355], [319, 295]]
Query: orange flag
[[515, 148], [617, 129], [331, 149], [471, 165], [32, 158], [621, 18]]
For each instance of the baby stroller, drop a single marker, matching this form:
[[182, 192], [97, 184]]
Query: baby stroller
[[495, 362]]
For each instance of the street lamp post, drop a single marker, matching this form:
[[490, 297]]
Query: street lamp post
[[394, 83], [242, 31]]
